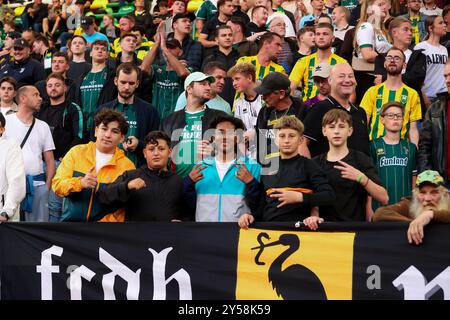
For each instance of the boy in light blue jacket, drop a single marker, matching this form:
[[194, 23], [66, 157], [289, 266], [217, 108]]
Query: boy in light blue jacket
[[224, 186]]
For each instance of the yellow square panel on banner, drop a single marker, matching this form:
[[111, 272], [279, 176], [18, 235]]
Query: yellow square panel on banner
[[294, 265]]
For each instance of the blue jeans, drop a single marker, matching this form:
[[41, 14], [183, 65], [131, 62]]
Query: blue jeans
[[55, 203]]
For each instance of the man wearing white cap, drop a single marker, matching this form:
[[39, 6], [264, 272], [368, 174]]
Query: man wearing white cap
[[321, 73], [186, 127]]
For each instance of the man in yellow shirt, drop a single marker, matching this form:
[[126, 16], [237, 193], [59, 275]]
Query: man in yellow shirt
[[270, 48], [301, 75], [393, 89]]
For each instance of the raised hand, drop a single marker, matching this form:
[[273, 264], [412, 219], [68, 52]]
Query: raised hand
[[243, 174], [89, 181], [196, 173]]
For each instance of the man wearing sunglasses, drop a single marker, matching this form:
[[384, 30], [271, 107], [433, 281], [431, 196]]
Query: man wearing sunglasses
[[393, 89], [24, 69]]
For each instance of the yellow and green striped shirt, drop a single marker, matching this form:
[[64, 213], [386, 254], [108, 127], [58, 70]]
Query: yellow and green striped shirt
[[415, 30], [378, 95], [261, 71], [303, 70]]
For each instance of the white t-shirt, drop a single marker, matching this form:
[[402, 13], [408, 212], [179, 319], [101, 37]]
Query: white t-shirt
[[101, 159], [222, 168], [437, 57], [39, 141], [4, 110], [367, 37]]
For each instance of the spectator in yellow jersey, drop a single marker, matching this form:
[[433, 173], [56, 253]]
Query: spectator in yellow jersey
[[417, 20], [301, 75], [264, 61], [393, 89]]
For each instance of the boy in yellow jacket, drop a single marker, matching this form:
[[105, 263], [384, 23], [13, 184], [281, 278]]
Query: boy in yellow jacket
[[87, 168]]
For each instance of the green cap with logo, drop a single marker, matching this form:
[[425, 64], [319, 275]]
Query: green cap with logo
[[429, 176]]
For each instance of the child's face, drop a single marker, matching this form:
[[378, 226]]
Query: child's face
[[392, 119], [337, 133], [288, 141]]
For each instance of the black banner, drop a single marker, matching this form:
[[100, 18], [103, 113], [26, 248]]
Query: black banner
[[204, 261]]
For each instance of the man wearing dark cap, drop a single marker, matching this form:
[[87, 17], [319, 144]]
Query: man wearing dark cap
[[275, 89], [5, 54], [89, 32], [192, 50], [167, 78], [24, 69], [430, 202]]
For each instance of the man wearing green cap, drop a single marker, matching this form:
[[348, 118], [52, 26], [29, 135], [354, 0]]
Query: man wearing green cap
[[429, 202]]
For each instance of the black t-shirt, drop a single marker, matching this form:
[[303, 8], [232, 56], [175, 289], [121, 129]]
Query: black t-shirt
[[318, 144], [267, 118], [351, 196], [210, 27], [252, 28], [77, 69], [296, 172]]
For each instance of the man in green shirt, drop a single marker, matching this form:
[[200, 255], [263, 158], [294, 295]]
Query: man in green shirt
[[187, 127], [140, 115], [167, 78], [96, 87]]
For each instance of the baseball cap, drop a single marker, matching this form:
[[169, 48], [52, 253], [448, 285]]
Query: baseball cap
[[189, 15], [272, 82], [173, 43], [21, 43], [429, 176], [86, 21], [197, 77], [322, 70], [13, 35], [307, 21]]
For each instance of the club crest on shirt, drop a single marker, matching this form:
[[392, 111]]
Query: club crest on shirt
[[380, 151]]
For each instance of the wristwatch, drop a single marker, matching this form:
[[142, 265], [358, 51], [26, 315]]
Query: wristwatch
[[5, 215]]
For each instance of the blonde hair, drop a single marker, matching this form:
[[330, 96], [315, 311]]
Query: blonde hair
[[378, 28], [245, 68], [290, 122]]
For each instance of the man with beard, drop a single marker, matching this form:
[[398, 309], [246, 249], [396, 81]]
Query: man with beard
[[35, 139], [60, 64], [264, 62], [430, 202], [206, 37], [65, 120], [187, 127], [22, 67], [301, 74], [393, 89], [141, 116], [216, 102]]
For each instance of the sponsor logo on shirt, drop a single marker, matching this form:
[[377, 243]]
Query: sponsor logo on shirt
[[394, 161]]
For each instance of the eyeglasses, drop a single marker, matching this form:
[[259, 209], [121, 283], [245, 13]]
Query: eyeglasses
[[392, 116], [396, 59], [18, 48]]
